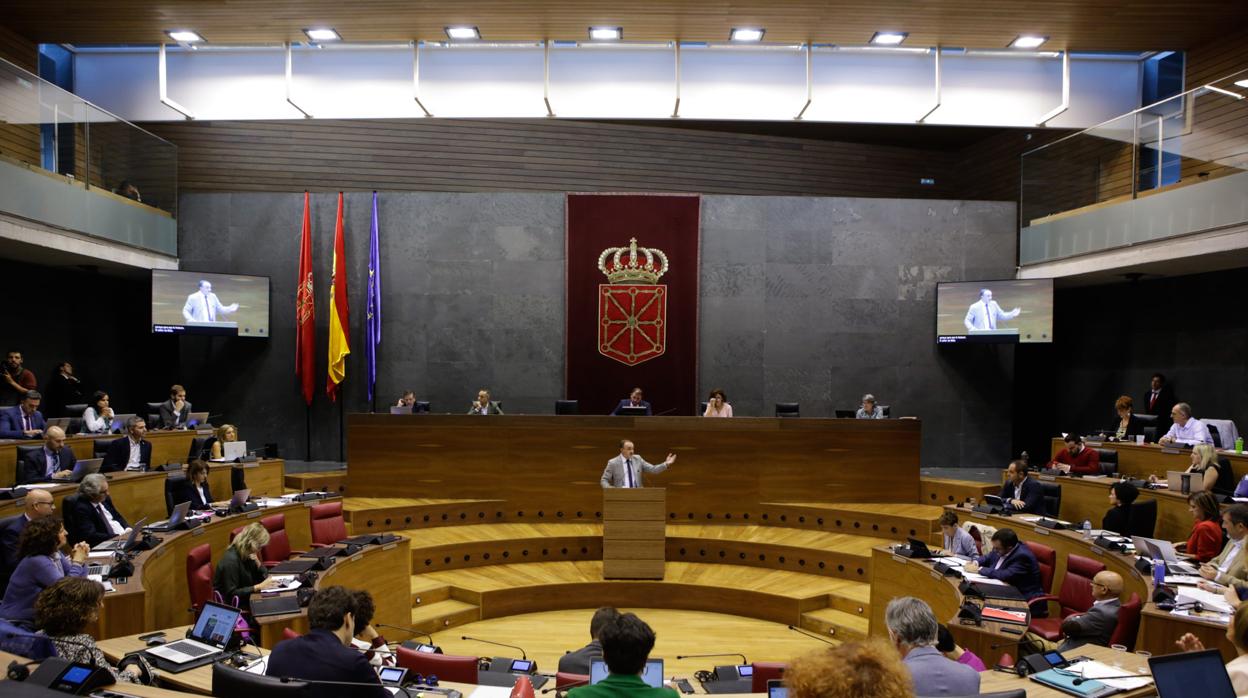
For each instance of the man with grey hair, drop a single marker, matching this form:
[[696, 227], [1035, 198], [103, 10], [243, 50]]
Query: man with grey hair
[[91, 514], [913, 629], [55, 461], [1185, 428], [869, 409], [130, 452]]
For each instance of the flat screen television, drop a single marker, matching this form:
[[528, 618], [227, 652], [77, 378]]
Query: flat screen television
[[192, 302], [1006, 311]]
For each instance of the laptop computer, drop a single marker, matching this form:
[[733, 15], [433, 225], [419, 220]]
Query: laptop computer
[[400, 409], [205, 644], [195, 419], [1191, 674], [82, 468], [232, 450], [652, 674], [845, 414], [119, 422], [128, 543], [1175, 478], [62, 422], [777, 689], [175, 518], [237, 503], [1164, 549]]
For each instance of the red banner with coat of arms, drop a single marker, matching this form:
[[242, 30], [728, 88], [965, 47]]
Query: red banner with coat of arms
[[632, 300]]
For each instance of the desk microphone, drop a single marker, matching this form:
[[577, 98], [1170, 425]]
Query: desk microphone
[[566, 686], [1082, 679], [807, 633], [721, 654], [500, 644], [20, 671], [319, 682], [413, 631]]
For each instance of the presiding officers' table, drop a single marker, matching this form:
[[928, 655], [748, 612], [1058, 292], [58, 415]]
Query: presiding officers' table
[[557, 461]]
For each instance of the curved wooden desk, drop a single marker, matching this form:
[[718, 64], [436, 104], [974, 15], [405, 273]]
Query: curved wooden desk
[[167, 447], [1142, 460], [1088, 498], [556, 462], [138, 495]]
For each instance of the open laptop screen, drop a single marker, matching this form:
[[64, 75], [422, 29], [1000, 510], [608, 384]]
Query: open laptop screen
[[215, 625], [1191, 674], [653, 674]]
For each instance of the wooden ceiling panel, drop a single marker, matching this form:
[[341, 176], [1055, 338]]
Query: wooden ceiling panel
[[1076, 24]]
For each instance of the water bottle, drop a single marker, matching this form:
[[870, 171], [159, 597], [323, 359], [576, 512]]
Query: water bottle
[[1159, 573], [1087, 529], [1239, 444]]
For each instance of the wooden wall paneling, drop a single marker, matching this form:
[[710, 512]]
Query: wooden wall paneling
[[19, 141]]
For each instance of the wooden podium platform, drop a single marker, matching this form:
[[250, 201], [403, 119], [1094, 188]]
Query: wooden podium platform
[[633, 532]]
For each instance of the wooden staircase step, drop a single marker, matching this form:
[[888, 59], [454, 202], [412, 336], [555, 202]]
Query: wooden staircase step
[[836, 625], [441, 615], [426, 591]]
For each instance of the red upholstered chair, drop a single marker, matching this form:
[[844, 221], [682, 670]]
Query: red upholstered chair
[[199, 576], [764, 672], [328, 526], [1075, 596], [278, 550], [1047, 559], [288, 634], [1128, 623], [447, 667], [565, 680], [234, 533]]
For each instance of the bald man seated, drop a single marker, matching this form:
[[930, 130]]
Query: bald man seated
[[1096, 626], [55, 461]]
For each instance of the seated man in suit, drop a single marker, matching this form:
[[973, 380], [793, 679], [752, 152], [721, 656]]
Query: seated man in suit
[[23, 421], [1096, 626], [176, 410], [38, 505], [626, 644], [1011, 562], [578, 662], [634, 400], [55, 461], [1021, 494], [325, 653], [1230, 567], [93, 518], [484, 405], [131, 451], [625, 469], [1077, 458], [913, 630]]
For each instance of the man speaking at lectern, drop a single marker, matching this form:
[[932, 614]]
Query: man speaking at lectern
[[984, 314], [625, 469]]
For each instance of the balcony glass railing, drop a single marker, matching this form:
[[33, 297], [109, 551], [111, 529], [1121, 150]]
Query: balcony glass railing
[[46, 128], [1193, 138]]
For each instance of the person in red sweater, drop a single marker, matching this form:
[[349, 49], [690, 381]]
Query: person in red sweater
[[1206, 540], [1077, 458]]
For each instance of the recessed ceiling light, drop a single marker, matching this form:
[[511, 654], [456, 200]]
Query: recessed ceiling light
[[184, 36], [606, 33], [1028, 41], [747, 34], [322, 34], [463, 32], [888, 38]]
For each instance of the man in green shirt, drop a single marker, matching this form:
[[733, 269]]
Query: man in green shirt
[[626, 644]]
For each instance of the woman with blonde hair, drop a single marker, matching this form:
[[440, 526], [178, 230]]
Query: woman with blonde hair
[[868, 669], [240, 573], [226, 433], [1218, 477]]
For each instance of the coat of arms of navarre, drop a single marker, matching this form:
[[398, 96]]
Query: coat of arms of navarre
[[632, 309]]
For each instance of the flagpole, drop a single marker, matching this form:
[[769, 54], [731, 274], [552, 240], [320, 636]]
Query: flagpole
[[307, 433], [342, 455]]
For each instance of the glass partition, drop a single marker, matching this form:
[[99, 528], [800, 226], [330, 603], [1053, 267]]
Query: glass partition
[[45, 128]]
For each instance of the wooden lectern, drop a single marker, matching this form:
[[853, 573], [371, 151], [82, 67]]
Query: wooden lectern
[[634, 532]]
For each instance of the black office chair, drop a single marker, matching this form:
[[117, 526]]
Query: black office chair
[[567, 407], [787, 409], [99, 447], [887, 411], [845, 414], [1143, 517], [1052, 499], [238, 480], [228, 682], [175, 490], [74, 410], [420, 406], [702, 408], [23, 449], [196, 450], [1213, 433], [1148, 423], [67, 508], [1109, 460], [75, 425], [153, 414]]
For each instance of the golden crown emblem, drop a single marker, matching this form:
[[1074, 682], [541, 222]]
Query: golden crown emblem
[[631, 270]]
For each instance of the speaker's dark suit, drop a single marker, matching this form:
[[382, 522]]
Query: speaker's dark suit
[[34, 466], [118, 454]]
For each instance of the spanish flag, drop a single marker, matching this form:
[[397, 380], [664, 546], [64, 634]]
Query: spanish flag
[[339, 322]]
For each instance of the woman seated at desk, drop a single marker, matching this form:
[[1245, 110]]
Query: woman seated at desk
[[64, 610], [226, 433], [717, 405], [1118, 519], [240, 573], [1206, 539], [1128, 424], [1216, 477], [196, 490], [41, 565], [98, 417]]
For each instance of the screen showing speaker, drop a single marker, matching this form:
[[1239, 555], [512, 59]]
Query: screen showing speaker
[[191, 302], [1008, 311]]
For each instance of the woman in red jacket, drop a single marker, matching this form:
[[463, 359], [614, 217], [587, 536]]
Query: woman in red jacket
[[1206, 540]]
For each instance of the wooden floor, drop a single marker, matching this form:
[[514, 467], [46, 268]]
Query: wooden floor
[[546, 636]]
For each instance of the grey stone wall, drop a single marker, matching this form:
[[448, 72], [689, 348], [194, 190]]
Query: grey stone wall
[[806, 299]]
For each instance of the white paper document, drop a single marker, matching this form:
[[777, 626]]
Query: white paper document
[[285, 582], [1212, 602], [1095, 670], [974, 577]]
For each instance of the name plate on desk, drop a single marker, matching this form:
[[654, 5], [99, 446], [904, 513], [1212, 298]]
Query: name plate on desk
[[254, 514], [1042, 530], [1171, 450], [977, 515], [898, 558], [389, 546], [1047, 478], [198, 531], [357, 557]]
